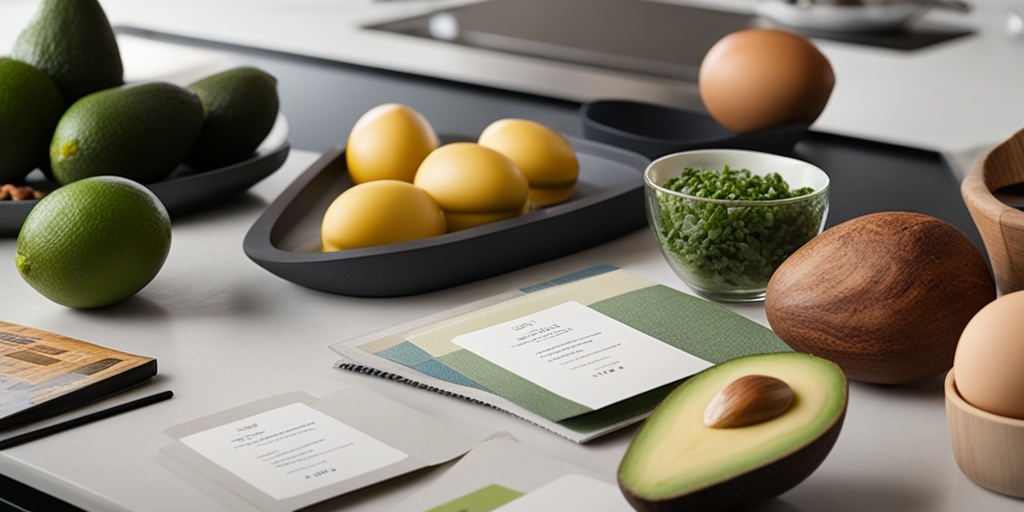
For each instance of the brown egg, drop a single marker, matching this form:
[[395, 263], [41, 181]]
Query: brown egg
[[989, 362], [760, 78]]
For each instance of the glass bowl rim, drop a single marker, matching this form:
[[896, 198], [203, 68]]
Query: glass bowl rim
[[650, 184]]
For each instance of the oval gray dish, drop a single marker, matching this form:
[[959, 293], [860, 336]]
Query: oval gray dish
[[185, 190], [655, 130], [607, 203]]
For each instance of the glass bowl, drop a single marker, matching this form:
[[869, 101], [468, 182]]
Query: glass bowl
[[727, 250]]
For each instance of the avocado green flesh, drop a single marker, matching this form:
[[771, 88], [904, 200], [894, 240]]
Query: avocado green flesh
[[675, 454]]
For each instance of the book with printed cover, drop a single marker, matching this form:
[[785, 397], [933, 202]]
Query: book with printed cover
[[43, 374]]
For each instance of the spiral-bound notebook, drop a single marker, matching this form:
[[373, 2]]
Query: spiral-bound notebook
[[581, 355]]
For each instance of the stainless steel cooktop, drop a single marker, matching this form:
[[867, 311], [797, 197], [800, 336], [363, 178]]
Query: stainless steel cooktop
[[636, 36]]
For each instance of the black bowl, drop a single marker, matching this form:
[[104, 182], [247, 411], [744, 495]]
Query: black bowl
[[185, 190], [655, 130]]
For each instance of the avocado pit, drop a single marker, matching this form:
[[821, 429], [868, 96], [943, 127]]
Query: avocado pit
[[748, 400]]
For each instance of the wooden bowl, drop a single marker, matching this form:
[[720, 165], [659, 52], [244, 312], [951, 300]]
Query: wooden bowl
[[988, 448], [1001, 226]]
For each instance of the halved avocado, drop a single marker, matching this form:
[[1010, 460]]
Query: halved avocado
[[676, 462]]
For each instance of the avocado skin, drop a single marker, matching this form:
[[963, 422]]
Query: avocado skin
[[751, 488], [72, 42], [241, 106], [140, 131], [30, 106]]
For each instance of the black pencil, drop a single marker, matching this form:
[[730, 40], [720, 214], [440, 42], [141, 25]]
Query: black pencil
[[82, 420]]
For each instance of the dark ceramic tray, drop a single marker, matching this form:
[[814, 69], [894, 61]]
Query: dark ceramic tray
[[655, 130], [607, 203], [185, 190]]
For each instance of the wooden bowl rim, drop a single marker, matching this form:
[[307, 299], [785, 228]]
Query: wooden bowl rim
[[954, 399], [976, 188]]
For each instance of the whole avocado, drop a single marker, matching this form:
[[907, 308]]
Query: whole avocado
[[72, 42], [139, 131], [884, 295], [241, 107], [30, 105]]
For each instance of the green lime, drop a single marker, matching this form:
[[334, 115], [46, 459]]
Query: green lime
[[30, 106], [94, 242]]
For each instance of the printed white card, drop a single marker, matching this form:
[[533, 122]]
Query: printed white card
[[582, 355], [571, 492], [291, 450]]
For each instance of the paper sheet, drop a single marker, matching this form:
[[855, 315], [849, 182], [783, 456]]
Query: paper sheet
[[365, 437]]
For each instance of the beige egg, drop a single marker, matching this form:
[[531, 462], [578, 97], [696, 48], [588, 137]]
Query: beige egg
[[989, 363], [757, 79]]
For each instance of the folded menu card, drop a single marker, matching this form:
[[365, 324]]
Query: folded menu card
[[501, 475], [581, 355], [43, 374], [290, 451]]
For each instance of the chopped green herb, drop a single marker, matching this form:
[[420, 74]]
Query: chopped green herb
[[723, 247]]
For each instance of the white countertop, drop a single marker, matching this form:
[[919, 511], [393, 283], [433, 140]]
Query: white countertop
[[227, 332]]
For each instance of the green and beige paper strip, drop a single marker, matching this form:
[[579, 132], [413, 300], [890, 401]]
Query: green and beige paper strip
[[699, 327]]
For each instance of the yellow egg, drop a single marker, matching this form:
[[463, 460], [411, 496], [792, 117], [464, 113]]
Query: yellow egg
[[388, 143], [473, 184], [380, 212], [546, 159]]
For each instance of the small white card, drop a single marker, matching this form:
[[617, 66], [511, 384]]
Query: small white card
[[571, 492], [292, 450], [582, 355]]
